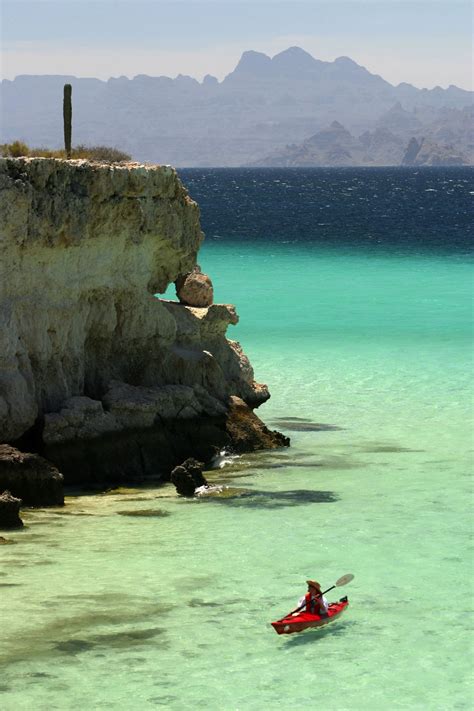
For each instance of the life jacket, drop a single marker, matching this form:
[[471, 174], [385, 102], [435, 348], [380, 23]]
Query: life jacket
[[311, 604]]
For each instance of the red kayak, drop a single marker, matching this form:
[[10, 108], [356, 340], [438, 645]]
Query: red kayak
[[304, 620]]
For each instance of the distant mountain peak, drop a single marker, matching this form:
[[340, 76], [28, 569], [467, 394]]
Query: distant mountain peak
[[347, 61], [295, 60], [210, 80], [339, 126], [252, 62], [292, 62], [294, 53]]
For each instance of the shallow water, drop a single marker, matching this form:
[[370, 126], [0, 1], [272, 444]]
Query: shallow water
[[109, 610]]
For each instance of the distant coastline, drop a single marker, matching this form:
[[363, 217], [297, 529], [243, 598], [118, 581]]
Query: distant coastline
[[291, 109]]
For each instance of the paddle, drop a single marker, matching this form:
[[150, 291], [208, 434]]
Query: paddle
[[338, 584]]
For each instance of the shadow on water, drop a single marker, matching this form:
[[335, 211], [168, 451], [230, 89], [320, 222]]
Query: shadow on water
[[337, 629], [300, 424], [275, 499]]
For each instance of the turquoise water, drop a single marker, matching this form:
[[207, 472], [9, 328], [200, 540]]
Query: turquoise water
[[105, 610]]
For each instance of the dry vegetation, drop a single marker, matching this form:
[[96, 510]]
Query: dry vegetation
[[104, 154]]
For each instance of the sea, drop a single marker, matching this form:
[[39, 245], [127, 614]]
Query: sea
[[354, 290]]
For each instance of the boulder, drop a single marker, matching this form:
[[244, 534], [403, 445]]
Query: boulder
[[195, 288], [188, 476], [30, 478], [10, 511]]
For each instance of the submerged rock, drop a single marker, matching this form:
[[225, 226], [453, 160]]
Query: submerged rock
[[10, 511]]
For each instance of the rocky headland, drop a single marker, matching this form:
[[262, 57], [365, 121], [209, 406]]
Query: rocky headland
[[98, 375], [395, 140]]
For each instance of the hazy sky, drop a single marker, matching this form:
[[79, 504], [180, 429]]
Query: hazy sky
[[424, 42]]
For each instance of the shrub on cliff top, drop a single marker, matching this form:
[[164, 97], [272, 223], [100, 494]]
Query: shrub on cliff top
[[102, 154], [15, 149]]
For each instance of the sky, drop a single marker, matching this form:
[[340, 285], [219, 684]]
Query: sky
[[423, 42]]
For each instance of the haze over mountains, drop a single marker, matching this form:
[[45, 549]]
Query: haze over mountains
[[291, 109]]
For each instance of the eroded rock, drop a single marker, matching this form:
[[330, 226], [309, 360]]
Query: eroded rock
[[247, 432], [188, 476], [10, 511], [30, 477]]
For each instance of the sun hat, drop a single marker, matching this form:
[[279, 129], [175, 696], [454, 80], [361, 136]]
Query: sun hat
[[314, 584]]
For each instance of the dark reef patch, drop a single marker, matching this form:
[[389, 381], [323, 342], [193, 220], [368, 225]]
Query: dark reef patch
[[202, 603], [126, 639], [6, 541], [196, 602], [73, 646], [162, 700], [389, 449], [78, 633], [145, 513], [40, 675], [278, 499]]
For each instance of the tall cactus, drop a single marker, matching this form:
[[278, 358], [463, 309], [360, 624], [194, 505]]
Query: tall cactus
[[67, 118]]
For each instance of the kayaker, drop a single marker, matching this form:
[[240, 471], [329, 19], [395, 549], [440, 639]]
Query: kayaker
[[314, 601]]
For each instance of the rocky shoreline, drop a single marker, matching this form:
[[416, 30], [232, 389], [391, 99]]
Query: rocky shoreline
[[101, 381]]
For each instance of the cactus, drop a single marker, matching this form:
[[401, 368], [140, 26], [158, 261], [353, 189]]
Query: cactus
[[67, 118]]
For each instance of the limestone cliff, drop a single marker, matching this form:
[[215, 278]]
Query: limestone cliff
[[86, 348]]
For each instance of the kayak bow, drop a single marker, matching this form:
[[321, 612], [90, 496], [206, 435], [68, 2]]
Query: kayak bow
[[305, 620]]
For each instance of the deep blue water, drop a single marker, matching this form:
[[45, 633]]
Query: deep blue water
[[407, 209]]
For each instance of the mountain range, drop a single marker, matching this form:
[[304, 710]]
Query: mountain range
[[291, 109]]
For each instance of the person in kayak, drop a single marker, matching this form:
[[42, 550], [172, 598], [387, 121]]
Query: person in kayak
[[314, 601]]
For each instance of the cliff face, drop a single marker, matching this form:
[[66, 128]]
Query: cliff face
[[83, 249]]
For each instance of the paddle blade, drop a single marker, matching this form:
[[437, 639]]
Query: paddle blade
[[344, 580]]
